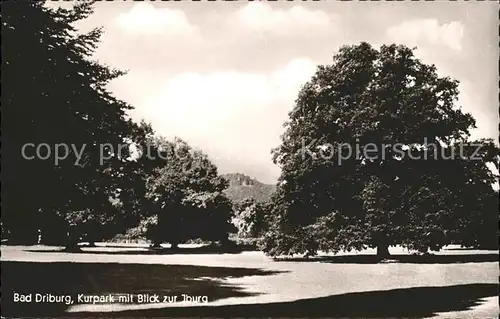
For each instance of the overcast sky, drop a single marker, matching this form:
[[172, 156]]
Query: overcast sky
[[223, 76]]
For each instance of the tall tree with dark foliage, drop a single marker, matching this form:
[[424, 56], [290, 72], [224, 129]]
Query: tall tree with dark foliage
[[414, 187], [185, 195], [54, 93]]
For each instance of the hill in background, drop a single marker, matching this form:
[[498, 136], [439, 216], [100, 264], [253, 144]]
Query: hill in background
[[242, 186]]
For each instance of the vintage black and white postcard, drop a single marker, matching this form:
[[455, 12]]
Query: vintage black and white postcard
[[249, 159]]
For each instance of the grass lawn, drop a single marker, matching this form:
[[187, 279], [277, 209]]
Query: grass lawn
[[454, 284]]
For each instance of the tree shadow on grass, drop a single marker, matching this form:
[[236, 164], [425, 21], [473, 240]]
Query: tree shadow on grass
[[102, 278], [411, 259], [419, 302]]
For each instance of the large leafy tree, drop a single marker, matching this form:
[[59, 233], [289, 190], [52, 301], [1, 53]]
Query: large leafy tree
[[251, 218], [370, 157], [53, 93], [184, 194]]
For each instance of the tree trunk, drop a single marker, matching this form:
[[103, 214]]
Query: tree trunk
[[174, 245], [91, 244], [224, 242], [71, 245], [155, 244], [383, 251]]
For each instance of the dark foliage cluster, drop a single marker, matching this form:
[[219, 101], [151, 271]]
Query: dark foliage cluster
[[54, 93], [422, 197]]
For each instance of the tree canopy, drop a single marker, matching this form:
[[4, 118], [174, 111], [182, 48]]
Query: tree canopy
[[185, 195], [55, 100], [376, 152]]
